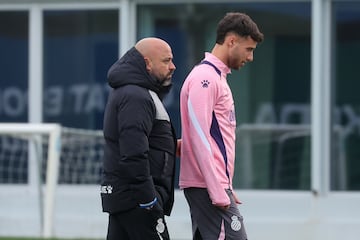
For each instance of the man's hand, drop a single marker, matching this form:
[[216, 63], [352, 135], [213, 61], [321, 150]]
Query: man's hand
[[237, 200], [178, 148], [226, 207]]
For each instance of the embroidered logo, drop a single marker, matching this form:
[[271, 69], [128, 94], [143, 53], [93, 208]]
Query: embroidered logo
[[235, 223], [107, 189], [205, 83], [232, 117], [160, 228]]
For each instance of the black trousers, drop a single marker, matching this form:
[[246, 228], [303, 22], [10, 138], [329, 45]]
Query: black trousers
[[138, 224]]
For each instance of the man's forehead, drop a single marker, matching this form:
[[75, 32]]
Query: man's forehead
[[166, 53]]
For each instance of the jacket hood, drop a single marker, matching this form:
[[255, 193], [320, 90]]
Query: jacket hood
[[131, 69]]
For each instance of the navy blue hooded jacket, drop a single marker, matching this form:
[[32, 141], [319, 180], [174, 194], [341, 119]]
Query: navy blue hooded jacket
[[140, 142]]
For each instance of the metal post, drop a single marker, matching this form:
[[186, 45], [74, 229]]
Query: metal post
[[320, 97]]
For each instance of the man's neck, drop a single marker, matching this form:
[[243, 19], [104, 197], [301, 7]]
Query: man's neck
[[219, 51]]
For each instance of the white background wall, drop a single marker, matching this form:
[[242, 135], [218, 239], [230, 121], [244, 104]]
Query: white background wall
[[280, 215]]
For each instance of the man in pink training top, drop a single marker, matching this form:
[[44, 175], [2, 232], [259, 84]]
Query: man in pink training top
[[208, 131]]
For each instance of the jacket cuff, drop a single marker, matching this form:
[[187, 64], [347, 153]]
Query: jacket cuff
[[149, 204]]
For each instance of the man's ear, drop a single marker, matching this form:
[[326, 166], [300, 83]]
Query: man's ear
[[148, 64], [231, 40]]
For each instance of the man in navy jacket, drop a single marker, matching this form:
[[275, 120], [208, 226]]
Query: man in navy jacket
[[137, 187]]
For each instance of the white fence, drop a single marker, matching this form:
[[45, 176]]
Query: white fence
[[74, 210], [280, 215]]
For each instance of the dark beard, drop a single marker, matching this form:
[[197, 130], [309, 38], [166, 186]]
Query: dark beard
[[164, 90], [164, 81]]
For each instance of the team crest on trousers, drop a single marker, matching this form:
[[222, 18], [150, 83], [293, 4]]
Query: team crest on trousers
[[235, 223], [160, 227]]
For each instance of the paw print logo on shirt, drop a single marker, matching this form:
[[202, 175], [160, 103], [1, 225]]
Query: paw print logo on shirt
[[205, 83]]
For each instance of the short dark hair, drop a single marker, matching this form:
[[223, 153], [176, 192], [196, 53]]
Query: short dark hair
[[238, 23]]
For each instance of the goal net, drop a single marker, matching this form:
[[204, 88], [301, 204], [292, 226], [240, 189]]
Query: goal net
[[278, 156], [36, 158]]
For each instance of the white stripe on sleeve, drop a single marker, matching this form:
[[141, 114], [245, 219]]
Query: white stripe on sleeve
[[196, 124]]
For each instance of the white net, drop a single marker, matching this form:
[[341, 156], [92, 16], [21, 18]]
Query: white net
[[279, 157], [36, 158], [273, 157], [14, 155], [80, 157]]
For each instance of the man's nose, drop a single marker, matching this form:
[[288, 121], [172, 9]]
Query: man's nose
[[172, 66], [250, 57]]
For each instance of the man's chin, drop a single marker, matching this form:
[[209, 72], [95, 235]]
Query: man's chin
[[167, 82]]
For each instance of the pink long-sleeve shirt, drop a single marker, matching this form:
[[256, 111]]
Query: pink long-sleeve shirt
[[208, 130]]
